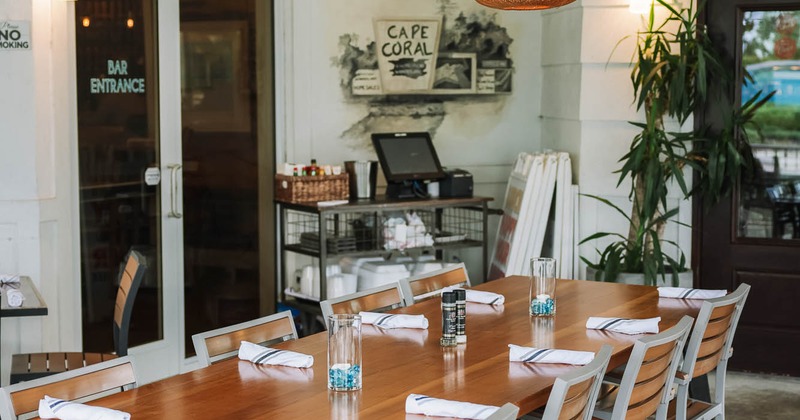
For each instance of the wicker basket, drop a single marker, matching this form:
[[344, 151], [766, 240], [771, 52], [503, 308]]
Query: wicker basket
[[299, 189]]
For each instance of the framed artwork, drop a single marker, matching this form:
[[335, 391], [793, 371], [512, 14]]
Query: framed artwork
[[455, 73], [214, 76]]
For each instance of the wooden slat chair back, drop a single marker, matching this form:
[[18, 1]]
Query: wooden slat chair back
[[25, 367], [78, 384], [709, 349], [428, 285], [129, 281], [223, 343], [507, 412], [574, 395], [646, 384], [378, 299]]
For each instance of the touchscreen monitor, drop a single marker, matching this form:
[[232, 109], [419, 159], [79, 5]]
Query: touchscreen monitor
[[407, 156]]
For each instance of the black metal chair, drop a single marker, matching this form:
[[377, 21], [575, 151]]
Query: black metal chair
[[26, 367]]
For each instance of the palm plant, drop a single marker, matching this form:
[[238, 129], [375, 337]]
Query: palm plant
[[674, 63]]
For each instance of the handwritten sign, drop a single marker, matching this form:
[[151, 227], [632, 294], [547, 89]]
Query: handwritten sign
[[367, 82], [117, 84], [15, 35], [407, 51]]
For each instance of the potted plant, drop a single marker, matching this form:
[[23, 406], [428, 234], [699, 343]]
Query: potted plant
[[674, 62]]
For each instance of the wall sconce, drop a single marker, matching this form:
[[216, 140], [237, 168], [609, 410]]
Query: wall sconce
[[640, 7], [524, 4], [86, 22], [129, 23]]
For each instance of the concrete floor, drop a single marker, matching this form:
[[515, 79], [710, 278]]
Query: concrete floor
[[754, 397]]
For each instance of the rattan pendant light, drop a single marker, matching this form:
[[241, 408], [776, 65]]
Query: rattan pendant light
[[524, 4]]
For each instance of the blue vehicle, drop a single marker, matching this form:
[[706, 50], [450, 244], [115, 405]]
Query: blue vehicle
[[782, 76]]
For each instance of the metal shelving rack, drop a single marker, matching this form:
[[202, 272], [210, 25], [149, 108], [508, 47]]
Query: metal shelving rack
[[356, 229]]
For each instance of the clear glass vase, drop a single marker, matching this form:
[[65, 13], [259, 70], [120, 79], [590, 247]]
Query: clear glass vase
[[542, 300], [344, 352]]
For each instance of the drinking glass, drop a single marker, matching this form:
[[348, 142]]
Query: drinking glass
[[344, 352], [542, 300]]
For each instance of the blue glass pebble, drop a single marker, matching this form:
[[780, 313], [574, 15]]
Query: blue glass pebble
[[345, 379], [547, 307]]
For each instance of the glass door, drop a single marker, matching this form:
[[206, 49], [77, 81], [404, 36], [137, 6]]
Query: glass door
[[122, 191], [175, 151], [223, 50]]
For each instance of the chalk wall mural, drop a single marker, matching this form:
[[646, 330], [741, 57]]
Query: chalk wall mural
[[410, 67]]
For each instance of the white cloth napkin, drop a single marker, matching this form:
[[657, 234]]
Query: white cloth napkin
[[54, 408], [394, 320], [411, 335], [479, 296], [684, 293], [253, 372], [429, 406], [267, 356], [9, 278], [623, 325], [534, 355], [15, 298]]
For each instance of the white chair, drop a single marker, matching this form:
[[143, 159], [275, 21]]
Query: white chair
[[708, 350], [646, 385], [507, 412], [223, 343], [575, 393], [378, 299], [427, 285], [82, 384]]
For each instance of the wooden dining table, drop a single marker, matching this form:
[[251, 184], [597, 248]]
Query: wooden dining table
[[399, 362]]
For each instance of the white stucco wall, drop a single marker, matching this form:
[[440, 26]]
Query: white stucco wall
[[37, 221], [587, 105], [483, 136]]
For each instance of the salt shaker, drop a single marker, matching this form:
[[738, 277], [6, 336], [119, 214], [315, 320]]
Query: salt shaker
[[461, 316]]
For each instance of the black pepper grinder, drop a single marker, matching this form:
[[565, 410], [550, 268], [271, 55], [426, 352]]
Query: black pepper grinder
[[449, 321]]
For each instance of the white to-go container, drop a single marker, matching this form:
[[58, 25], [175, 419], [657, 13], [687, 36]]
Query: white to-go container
[[423, 267], [341, 285], [377, 273], [351, 265]]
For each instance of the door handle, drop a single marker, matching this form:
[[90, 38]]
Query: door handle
[[174, 202]]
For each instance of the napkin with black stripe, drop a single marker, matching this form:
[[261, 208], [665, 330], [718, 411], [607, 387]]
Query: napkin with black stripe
[[684, 293], [429, 406], [479, 296], [54, 408], [394, 320], [8, 279], [267, 356], [624, 325], [535, 355], [9, 284]]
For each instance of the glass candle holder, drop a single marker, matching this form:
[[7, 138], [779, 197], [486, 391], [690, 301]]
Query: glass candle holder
[[344, 352], [542, 300]]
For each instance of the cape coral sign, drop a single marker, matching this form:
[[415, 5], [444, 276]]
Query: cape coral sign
[[407, 51]]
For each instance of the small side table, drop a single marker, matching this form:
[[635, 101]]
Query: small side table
[[33, 305]]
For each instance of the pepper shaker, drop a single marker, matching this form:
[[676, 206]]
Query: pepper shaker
[[449, 320]]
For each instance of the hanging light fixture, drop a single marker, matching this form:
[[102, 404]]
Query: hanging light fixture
[[524, 4]]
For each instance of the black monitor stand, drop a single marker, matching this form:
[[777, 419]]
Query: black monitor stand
[[406, 190]]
